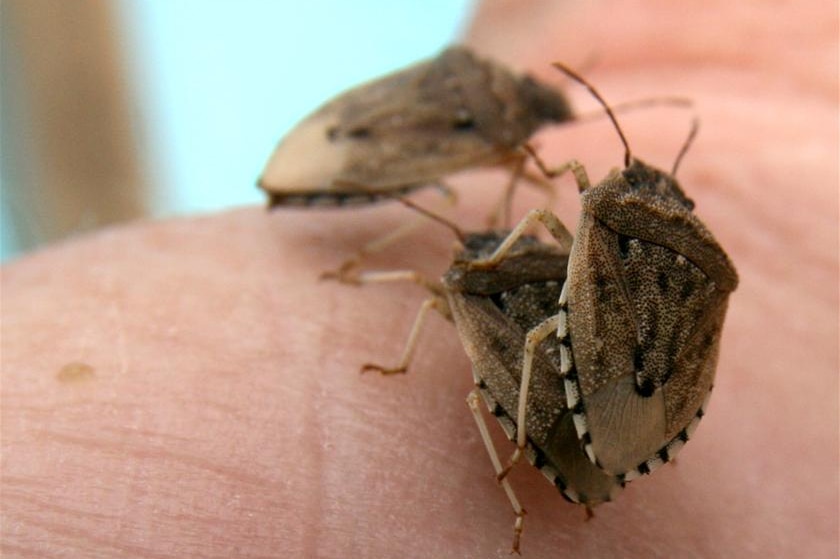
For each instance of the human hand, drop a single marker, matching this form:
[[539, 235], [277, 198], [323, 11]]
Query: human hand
[[189, 389]]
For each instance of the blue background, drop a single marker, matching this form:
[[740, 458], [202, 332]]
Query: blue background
[[218, 82]]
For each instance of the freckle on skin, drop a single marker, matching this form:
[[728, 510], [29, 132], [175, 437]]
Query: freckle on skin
[[75, 372]]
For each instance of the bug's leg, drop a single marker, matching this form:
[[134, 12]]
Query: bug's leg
[[473, 403], [518, 172], [402, 275], [548, 219], [502, 210], [573, 165], [536, 335], [541, 182], [433, 302], [437, 301], [348, 271]]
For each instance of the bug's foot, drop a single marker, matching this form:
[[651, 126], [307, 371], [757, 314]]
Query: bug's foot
[[347, 273], [589, 514], [517, 532], [383, 370]]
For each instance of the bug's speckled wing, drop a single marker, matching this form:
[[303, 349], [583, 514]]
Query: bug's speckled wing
[[409, 129], [492, 327], [648, 289]]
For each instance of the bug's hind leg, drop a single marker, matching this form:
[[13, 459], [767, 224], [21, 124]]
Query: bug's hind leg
[[473, 403]]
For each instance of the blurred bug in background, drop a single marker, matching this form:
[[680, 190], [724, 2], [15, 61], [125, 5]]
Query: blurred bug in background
[[114, 111]]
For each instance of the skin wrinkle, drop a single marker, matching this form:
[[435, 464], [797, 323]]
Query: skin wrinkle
[[156, 454], [313, 429]]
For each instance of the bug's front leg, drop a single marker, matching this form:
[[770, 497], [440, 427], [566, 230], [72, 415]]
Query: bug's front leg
[[573, 165], [551, 222]]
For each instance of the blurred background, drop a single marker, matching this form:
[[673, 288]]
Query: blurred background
[[113, 110]]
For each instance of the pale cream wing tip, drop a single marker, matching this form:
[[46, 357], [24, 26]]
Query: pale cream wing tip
[[305, 160]]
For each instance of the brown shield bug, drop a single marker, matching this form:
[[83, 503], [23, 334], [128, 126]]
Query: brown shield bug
[[640, 318], [498, 312], [621, 329], [495, 310], [409, 129]]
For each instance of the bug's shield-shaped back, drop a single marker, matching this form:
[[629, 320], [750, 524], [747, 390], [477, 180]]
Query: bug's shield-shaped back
[[408, 129], [648, 288]]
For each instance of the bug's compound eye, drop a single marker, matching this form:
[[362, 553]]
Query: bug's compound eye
[[332, 133], [463, 120]]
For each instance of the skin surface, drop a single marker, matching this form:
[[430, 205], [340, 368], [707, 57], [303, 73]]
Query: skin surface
[[189, 389]]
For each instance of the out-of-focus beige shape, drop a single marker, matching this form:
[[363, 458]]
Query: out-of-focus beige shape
[[70, 155]]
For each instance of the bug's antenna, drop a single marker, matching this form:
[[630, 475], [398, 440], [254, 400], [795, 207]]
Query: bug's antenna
[[408, 203], [433, 216], [651, 102], [569, 72], [695, 126]]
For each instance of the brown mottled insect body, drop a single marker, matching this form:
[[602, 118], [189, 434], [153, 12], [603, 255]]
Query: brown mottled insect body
[[640, 316], [645, 302], [493, 311], [409, 129]]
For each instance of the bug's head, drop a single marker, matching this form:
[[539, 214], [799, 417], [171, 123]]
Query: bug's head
[[641, 177], [547, 103], [653, 183]]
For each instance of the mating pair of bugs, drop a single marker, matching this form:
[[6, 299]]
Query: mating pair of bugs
[[597, 353]]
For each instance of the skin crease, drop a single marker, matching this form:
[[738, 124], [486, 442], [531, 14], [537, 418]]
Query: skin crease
[[188, 389]]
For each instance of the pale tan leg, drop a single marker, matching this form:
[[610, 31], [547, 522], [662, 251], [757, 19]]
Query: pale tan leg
[[548, 219], [347, 272], [402, 275], [434, 302], [536, 335], [473, 403], [501, 214], [573, 165], [437, 301], [541, 182]]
